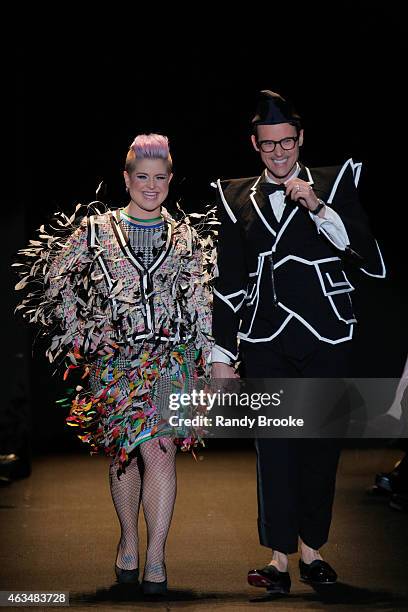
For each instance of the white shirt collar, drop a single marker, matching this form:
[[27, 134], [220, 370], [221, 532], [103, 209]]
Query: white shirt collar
[[293, 175]]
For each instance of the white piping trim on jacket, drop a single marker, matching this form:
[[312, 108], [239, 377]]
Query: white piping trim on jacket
[[305, 261], [230, 295], [246, 337], [292, 313], [310, 181], [258, 210], [251, 295], [312, 329], [384, 271], [348, 321], [226, 205], [341, 283], [315, 263], [284, 226], [323, 286], [356, 171], [290, 217], [349, 162]]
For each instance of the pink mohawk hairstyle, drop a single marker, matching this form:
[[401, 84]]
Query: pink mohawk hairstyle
[[155, 146], [148, 146]]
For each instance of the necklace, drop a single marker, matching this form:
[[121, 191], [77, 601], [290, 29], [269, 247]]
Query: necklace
[[141, 220]]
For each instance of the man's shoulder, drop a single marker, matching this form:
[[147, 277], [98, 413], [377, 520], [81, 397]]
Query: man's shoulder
[[238, 183], [328, 173], [237, 189], [327, 176]]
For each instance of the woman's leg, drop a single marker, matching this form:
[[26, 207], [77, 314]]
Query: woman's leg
[[125, 490], [158, 497]]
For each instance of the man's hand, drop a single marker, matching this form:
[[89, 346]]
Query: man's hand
[[300, 191], [222, 370]]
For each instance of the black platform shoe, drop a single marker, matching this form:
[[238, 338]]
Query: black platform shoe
[[155, 588], [271, 579], [124, 576], [317, 572]]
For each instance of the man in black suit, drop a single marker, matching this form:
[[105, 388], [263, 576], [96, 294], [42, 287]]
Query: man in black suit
[[283, 293]]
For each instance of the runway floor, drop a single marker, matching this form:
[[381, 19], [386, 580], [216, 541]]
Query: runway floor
[[59, 533]]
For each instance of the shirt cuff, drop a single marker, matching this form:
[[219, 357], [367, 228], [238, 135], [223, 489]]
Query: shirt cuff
[[217, 354], [332, 227]]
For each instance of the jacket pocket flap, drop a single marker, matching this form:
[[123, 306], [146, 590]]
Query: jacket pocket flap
[[332, 278]]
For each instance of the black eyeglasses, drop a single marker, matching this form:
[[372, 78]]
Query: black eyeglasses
[[288, 143]]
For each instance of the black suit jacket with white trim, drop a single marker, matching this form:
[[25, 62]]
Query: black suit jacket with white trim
[[271, 273]]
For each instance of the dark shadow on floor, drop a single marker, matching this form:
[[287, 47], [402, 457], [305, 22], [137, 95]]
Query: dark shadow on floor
[[330, 595], [345, 595], [129, 594]]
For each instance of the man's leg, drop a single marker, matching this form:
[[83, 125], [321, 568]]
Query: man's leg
[[319, 458], [278, 480], [277, 475]]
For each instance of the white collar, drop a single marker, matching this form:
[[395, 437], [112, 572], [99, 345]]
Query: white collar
[[294, 174]]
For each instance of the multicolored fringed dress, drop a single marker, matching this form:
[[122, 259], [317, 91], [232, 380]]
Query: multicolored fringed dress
[[130, 307]]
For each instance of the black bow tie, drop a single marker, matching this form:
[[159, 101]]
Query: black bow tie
[[268, 188]]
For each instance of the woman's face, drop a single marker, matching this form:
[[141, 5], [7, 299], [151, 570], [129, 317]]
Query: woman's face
[[148, 186]]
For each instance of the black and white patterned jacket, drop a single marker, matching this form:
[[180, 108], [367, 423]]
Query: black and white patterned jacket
[[272, 273]]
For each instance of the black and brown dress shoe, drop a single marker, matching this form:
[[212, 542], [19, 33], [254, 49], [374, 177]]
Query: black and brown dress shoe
[[271, 579], [317, 572]]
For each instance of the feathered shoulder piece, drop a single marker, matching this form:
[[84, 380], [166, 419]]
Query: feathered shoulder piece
[[204, 226], [40, 261]]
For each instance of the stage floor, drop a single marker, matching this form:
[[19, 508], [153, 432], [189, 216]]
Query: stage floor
[[59, 532]]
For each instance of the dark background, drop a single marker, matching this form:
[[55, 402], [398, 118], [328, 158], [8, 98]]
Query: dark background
[[76, 101]]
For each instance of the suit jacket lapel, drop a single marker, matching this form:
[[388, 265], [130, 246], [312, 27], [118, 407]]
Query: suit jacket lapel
[[292, 208], [305, 175], [264, 210], [263, 206]]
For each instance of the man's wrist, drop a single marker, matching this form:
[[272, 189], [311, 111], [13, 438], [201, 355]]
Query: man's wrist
[[220, 356], [318, 208], [223, 363]]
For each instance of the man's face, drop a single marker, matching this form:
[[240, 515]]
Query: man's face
[[280, 162]]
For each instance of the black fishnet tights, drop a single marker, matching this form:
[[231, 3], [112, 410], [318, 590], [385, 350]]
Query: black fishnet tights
[[153, 474]]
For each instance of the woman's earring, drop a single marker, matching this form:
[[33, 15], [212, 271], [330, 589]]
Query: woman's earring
[[127, 188]]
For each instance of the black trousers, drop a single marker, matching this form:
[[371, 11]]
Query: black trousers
[[296, 477]]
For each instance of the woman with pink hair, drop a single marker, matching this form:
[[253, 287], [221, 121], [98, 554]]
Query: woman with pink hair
[[124, 296]]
